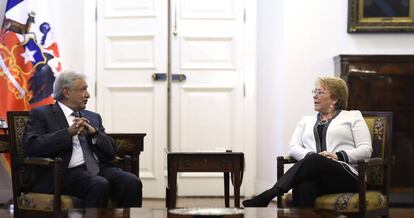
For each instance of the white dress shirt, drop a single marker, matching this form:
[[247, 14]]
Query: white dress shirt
[[77, 153]]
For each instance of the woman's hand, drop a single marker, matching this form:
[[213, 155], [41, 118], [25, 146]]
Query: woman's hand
[[329, 155]]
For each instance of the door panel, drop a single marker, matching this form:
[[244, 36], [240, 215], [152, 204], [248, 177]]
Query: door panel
[[131, 37], [130, 8], [207, 108], [207, 53], [196, 119], [141, 100], [212, 9], [121, 52]]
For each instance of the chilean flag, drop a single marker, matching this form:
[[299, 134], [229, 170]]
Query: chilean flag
[[29, 55]]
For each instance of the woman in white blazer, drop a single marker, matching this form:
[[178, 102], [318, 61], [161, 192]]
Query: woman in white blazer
[[324, 145]]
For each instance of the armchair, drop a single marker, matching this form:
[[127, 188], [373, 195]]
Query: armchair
[[373, 173], [24, 174]]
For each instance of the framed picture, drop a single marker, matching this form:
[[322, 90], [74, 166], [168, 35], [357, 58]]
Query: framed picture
[[380, 16]]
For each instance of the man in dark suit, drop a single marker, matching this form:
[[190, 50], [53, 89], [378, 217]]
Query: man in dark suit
[[65, 129]]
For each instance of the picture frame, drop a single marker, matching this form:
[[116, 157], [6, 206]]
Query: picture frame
[[370, 16]]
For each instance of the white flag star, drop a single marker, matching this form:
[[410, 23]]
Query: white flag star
[[28, 55]]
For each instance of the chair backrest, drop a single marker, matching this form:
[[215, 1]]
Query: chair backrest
[[22, 176], [380, 127]]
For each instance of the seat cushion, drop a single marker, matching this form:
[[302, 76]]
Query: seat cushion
[[349, 202], [44, 202]]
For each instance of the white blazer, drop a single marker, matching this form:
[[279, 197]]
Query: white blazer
[[346, 133]]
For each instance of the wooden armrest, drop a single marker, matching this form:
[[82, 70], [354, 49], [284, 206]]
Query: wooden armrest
[[286, 159], [122, 159], [127, 163], [38, 161], [125, 157], [57, 174], [366, 166], [281, 161], [373, 162]]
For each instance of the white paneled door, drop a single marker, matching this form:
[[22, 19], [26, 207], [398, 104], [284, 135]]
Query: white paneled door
[[206, 108], [131, 46], [206, 87]]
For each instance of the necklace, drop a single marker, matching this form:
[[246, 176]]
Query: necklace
[[322, 122]]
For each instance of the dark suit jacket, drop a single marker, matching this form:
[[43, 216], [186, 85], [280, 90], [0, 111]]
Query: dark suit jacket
[[46, 135]]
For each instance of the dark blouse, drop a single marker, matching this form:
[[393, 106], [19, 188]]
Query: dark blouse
[[320, 127], [320, 131]]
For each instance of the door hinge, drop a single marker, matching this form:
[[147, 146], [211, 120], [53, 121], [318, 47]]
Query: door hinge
[[244, 15]]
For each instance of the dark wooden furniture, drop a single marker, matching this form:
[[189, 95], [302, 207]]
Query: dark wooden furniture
[[226, 162], [373, 174], [4, 140], [386, 83], [130, 146], [28, 203], [4, 143]]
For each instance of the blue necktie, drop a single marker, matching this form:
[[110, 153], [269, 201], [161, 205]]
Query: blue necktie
[[90, 161]]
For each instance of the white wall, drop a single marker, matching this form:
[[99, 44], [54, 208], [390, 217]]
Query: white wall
[[75, 21], [297, 41], [69, 23], [270, 86]]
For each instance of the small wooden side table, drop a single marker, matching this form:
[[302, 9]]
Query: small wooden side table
[[226, 162]]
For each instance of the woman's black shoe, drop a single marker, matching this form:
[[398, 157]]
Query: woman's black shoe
[[254, 203]]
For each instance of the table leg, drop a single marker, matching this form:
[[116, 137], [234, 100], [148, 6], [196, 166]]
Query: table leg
[[226, 189], [237, 188], [172, 185], [173, 190]]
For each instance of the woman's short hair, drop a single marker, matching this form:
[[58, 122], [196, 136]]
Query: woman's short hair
[[338, 89], [65, 80]]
